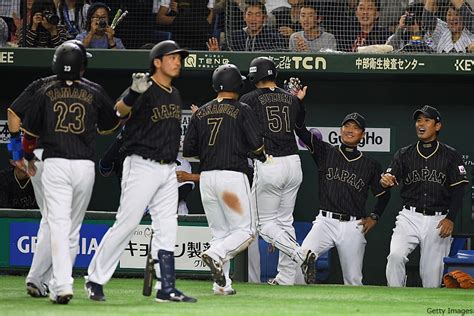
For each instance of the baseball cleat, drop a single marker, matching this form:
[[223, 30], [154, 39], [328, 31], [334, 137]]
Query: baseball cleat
[[94, 291], [174, 296], [35, 291], [216, 270], [222, 291], [272, 282], [61, 299], [309, 268]]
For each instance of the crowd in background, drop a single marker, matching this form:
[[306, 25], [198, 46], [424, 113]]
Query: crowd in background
[[442, 26]]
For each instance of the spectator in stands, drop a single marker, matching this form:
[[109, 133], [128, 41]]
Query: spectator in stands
[[255, 36], [275, 8], [189, 21], [364, 30], [409, 35], [98, 32], [18, 20], [72, 14], [43, 29], [452, 35], [8, 9], [312, 38], [287, 20], [470, 48], [3, 32], [16, 190]]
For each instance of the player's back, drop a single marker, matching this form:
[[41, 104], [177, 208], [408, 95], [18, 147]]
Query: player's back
[[67, 118], [276, 111], [224, 134]]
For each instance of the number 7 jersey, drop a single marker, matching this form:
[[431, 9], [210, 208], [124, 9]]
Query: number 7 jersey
[[67, 116]]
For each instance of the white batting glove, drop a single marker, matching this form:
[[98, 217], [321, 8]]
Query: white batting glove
[[140, 82], [293, 85]]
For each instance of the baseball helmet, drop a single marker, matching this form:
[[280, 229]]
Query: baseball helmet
[[164, 48], [261, 68], [67, 61], [85, 53], [227, 78]]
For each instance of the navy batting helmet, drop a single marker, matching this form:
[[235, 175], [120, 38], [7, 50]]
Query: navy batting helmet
[[261, 68], [164, 48], [68, 61], [85, 53], [227, 78]]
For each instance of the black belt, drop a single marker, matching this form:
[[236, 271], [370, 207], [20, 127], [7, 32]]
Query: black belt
[[424, 211], [164, 161], [339, 216]]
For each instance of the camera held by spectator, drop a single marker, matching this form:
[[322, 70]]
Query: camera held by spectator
[[102, 24], [51, 17]]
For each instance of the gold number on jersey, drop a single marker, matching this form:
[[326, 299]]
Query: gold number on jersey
[[78, 113], [215, 123], [277, 118]]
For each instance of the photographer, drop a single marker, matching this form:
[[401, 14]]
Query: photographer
[[43, 29], [98, 32], [409, 35]]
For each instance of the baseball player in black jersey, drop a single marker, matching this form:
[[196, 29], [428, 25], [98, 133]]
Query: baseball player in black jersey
[[67, 114], [40, 270], [276, 182], [151, 141], [432, 178], [345, 176], [222, 133]]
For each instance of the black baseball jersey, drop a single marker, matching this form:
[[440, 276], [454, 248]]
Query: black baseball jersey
[[343, 183], [16, 193], [276, 111], [66, 117], [25, 100], [427, 179], [222, 133], [154, 128]]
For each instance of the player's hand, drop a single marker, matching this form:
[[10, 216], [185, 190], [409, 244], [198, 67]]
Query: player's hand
[[388, 180], [367, 224], [194, 108], [182, 176], [29, 169], [446, 227], [294, 86], [140, 82]]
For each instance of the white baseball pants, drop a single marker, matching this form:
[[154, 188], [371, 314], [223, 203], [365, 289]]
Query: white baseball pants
[[226, 199], [413, 229], [275, 187], [347, 237], [67, 186], [144, 182]]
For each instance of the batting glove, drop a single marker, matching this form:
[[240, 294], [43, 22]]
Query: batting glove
[[140, 82]]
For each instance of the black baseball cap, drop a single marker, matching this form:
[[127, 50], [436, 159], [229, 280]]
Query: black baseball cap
[[356, 117], [428, 111]]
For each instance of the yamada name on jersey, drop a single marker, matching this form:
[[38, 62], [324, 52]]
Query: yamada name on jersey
[[425, 175], [70, 93], [345, 176], [166, 111], [224, 108]]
